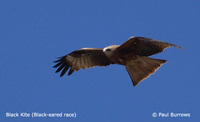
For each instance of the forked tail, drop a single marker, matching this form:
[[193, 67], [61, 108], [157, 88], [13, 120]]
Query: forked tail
[[142, 67]]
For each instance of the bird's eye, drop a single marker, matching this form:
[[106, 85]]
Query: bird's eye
[[108, 49]]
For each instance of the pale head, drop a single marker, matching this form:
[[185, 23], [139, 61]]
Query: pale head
[[110, 49]]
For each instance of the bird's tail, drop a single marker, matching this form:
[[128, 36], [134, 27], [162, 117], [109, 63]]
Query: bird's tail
[[142, 67]]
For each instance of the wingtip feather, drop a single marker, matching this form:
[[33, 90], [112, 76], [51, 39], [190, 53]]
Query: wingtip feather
[[178, 47]]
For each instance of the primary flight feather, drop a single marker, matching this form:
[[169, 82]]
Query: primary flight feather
[[133, 54]]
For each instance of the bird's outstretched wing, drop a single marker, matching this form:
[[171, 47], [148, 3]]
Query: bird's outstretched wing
[[81, 59], [145, 46]]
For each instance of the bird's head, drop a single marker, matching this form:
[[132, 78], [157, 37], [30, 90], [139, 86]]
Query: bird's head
[[110, 49]]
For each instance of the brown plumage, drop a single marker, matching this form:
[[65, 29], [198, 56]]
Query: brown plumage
[[81, 59], [133, 54]]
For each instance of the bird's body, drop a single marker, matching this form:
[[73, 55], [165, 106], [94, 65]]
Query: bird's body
[[118, 57], [133, 54]]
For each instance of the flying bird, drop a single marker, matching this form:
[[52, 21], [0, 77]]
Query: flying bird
[[133, 54]]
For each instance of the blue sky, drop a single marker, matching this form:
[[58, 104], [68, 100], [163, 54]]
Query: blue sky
[[33, 33]]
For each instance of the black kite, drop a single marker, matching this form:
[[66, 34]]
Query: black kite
[[133, 54]]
